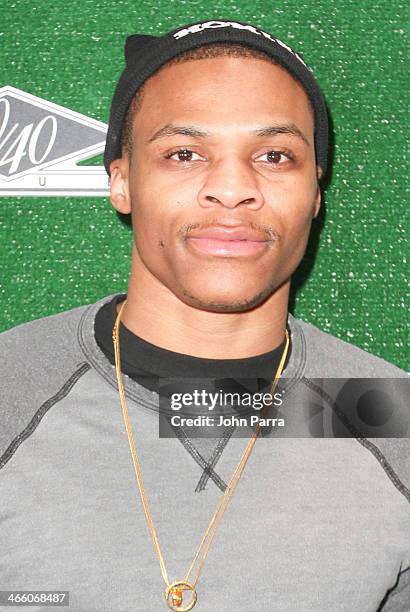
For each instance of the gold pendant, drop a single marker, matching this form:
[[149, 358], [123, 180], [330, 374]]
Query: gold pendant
[[174, 595]]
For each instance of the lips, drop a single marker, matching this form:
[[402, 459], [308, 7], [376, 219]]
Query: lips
[[219, 232], [228, 242]]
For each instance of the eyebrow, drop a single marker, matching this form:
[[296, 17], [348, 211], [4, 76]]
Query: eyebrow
[[289, 128], [268, 130]]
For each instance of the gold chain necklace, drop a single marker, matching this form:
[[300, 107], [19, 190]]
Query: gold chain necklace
[[174, 592]]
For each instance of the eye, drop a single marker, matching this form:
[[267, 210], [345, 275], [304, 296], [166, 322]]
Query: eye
[[276, 157], [183, 155]]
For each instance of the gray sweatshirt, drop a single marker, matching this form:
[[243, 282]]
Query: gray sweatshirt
[[315, 524]]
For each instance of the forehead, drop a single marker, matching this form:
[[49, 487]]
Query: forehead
[[222, 90]]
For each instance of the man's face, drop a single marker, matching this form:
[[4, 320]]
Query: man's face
[[224, 222]]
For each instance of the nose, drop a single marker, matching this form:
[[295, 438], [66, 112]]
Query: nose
[[231, 182]]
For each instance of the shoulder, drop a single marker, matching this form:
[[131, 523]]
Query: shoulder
[[40, 362], [45, 337], [329, 356]]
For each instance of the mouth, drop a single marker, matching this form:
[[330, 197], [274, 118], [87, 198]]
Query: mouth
[[227, 248], [228, 242]]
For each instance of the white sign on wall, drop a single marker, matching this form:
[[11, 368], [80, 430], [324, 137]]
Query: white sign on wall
[[40, 145]]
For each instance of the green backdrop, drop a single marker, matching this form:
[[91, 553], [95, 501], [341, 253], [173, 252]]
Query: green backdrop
[[59, 253]]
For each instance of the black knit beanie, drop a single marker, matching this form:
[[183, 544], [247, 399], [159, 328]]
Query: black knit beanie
[[145, 54]]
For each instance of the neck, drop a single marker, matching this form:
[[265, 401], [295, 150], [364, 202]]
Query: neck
[[155, 314]]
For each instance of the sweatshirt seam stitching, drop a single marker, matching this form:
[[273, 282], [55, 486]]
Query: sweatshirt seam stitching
[[41, 412], [206, 465], [365, 442], [214, 458]]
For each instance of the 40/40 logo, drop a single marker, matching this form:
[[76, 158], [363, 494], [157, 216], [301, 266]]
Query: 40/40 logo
[[25, 142], [40, 145]]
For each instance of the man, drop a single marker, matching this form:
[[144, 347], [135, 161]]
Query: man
[[216, 145]]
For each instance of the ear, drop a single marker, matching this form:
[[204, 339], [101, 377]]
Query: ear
[[119, 186], [318, 198]]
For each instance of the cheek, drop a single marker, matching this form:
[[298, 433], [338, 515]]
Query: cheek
[[159, 207], [153, 221], [293, 208]]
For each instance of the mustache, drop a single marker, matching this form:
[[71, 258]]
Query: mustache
[[187, 228]]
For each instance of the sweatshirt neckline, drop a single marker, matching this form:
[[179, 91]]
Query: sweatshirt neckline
[[139, 394]]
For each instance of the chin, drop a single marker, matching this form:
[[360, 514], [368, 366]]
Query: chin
[[222, 303]]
